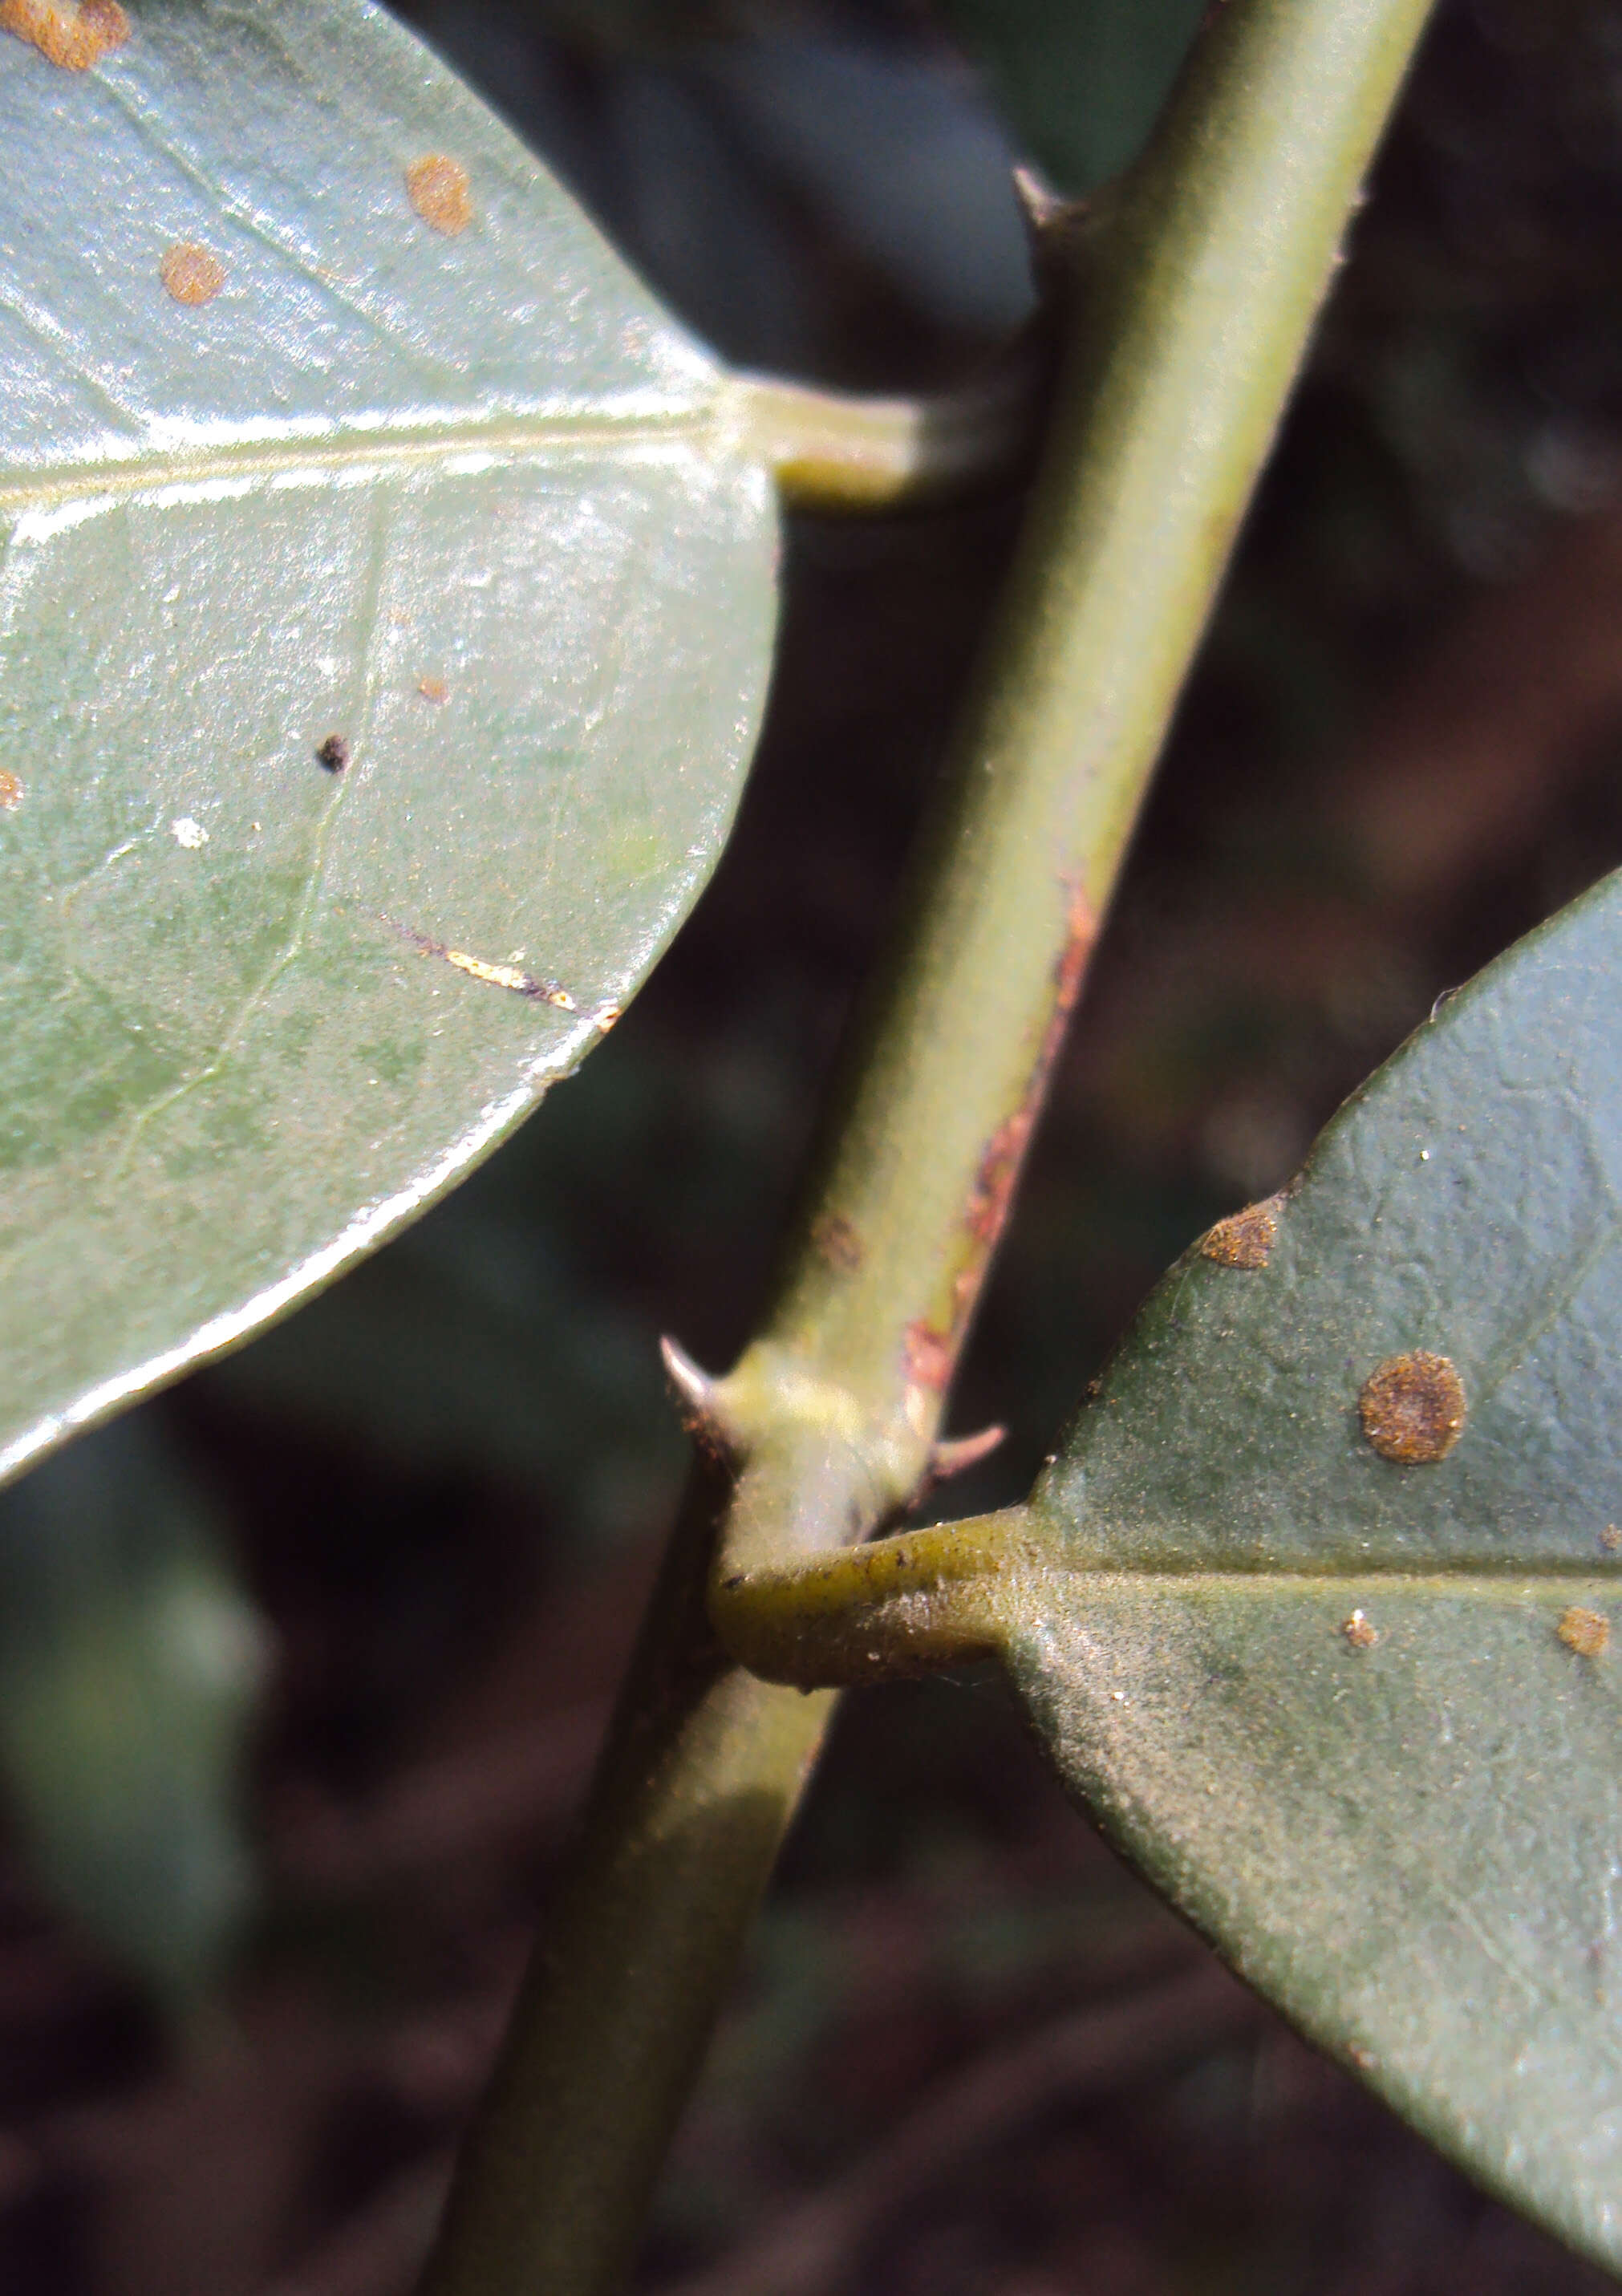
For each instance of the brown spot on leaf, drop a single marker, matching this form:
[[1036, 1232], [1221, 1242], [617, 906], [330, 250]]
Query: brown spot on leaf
[[192, 274], [74, 38], [837, 1242], [1413, 1409], [1610, 1539], [927, 1354], [11, 791], [1245, 1238], [605, 1017], [1585, 1632], [437, 188], [1359, 1631], [432, 689], [333, 753]]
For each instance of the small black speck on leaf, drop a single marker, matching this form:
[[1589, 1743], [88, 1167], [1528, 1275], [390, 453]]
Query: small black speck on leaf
[[335, 754]]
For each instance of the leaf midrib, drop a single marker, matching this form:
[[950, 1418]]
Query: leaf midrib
[[505, 438], [1436, 1576]]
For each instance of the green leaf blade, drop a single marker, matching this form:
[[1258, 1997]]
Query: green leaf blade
[[470, 502], [1466, 1203], [1410, 1847], [1358, 1715]]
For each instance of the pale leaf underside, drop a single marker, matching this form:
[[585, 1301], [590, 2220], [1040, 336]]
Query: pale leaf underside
[[464, 499]]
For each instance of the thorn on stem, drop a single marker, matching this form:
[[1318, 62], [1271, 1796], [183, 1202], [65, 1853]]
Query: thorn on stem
[[1043, 204], [696, 1396], [1050, 217], [694, 1388], [961, 1452]]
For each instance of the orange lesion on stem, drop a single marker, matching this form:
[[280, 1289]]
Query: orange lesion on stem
[[998, 1176], [930, 1354]]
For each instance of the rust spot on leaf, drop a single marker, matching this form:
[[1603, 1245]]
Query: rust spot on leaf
[[1585, 1632], [192, 274], [837, 1242], [1359, 1631], [74, 38], [1413, 1409], [432, 689], [927, 1354], [333, 753], [437, 188], [1245, 1238], [11, 791]]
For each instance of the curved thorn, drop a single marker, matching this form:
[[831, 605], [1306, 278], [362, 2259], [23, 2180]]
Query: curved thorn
[[1042, 203], [962, 1451], [695, 1390]]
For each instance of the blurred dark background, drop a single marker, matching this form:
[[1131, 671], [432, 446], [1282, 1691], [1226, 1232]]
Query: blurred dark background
[[302, 1666]]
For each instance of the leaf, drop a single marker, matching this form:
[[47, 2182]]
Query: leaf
[[304, 437], [130, 1664], [1081, 81], [1358, 1716]]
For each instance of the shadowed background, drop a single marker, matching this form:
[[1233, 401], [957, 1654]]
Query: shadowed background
[[302, 1667]]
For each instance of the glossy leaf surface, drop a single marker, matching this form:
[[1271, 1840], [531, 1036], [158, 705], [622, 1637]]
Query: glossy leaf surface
[[1358, 1716], [298, 441]]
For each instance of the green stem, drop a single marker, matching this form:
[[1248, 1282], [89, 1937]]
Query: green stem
[[702, 1769], [1201, 285], [832, 450]]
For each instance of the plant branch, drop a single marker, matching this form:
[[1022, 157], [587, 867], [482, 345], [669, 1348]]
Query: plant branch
[[1200, 285], [840, 451]]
